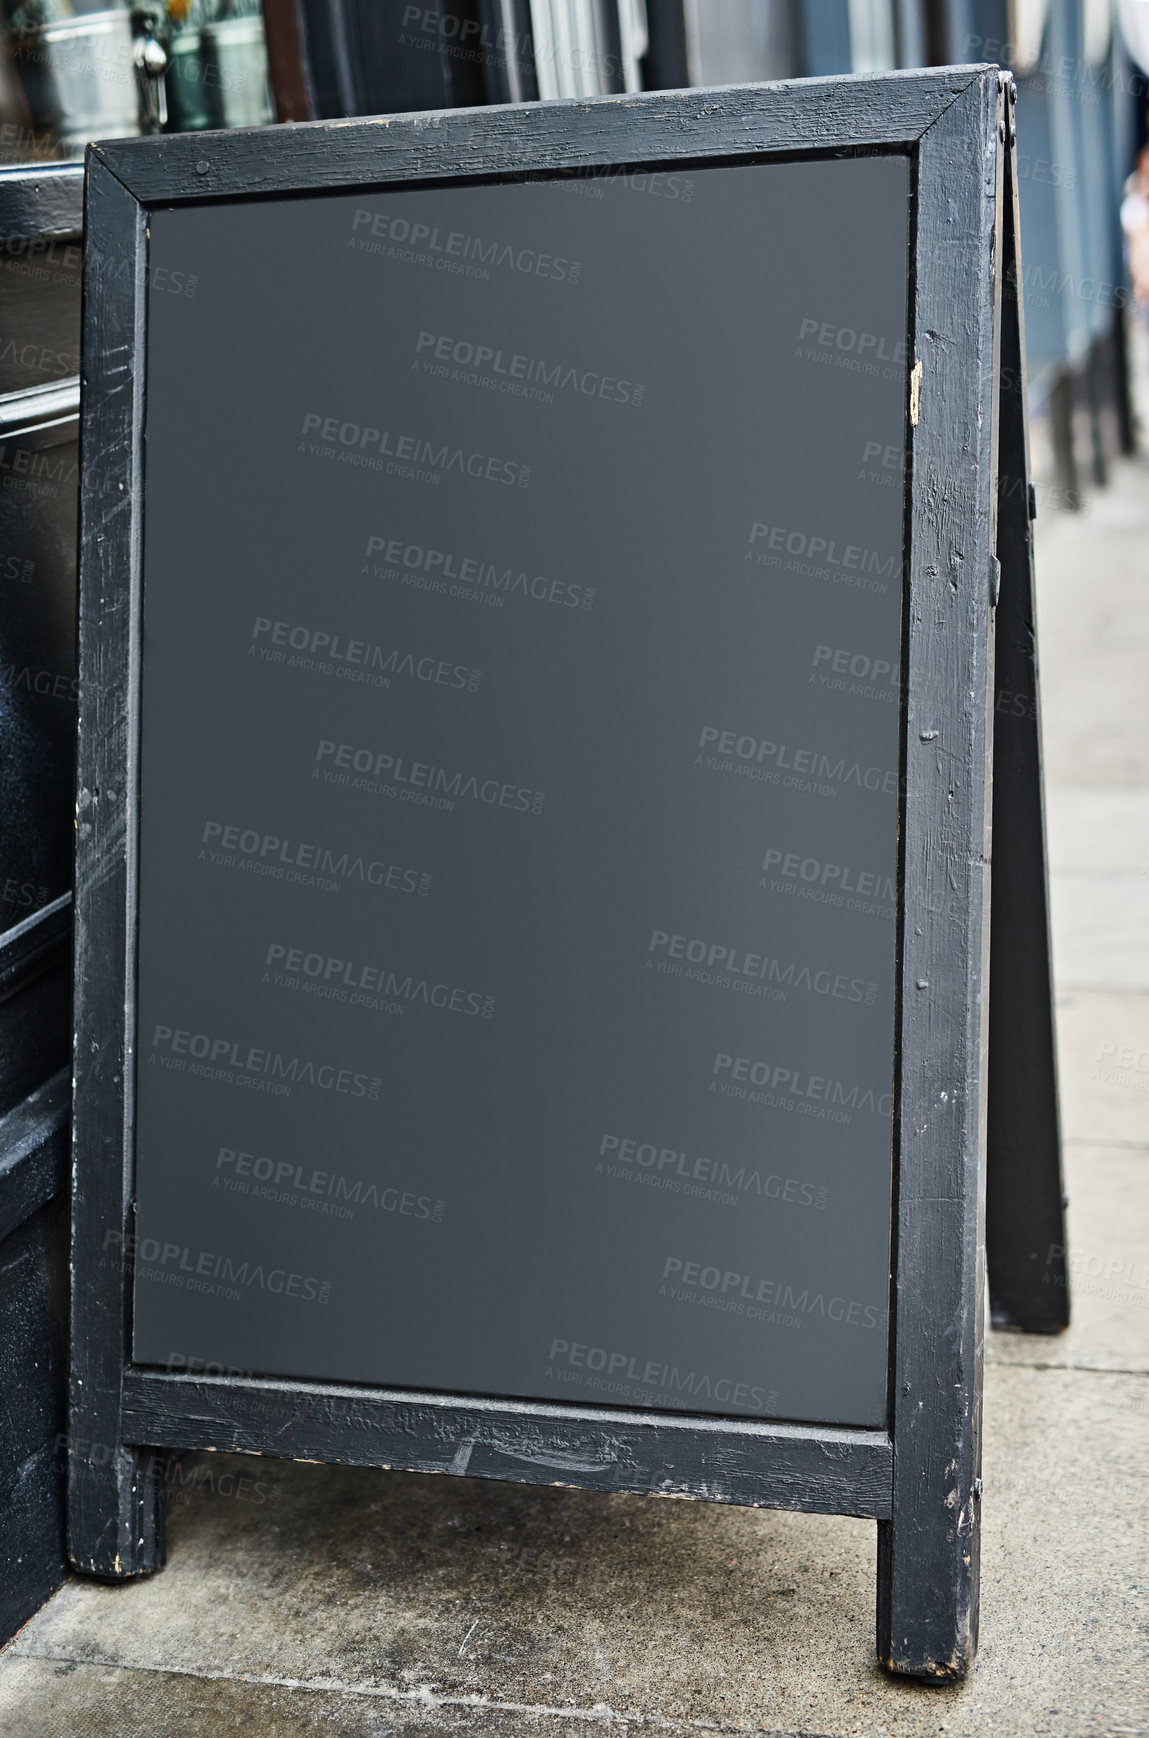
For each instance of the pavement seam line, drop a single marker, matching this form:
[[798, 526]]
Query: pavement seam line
[[1081, 1369], [1122, 1146], [1067, 988], [424, 1697]]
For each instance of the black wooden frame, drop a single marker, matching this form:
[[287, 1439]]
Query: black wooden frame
[[920, 1477], [1025, 1204]]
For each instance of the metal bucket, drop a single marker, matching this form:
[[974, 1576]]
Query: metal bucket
[[217, 76], [190, 108], [78, 77]]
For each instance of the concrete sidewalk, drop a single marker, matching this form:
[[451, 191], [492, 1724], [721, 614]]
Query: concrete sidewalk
[[306, 1599]]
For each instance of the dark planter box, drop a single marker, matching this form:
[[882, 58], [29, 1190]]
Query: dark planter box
[[34, 1038], [40, 221]]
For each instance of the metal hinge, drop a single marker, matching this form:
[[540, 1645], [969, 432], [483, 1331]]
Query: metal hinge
[[994, 581]]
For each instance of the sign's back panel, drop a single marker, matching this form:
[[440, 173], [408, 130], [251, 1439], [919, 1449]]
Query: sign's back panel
[[519, 792]]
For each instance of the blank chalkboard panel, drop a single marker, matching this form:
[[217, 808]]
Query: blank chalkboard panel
[[522, 591]]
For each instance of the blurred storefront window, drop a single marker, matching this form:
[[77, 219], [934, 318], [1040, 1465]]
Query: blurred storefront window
[[584, 48], [1026, 28], [217, 66], [872, 39], [74, 70], [740, 41]]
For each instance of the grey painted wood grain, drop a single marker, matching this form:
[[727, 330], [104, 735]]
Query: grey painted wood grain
[[35, 1001], [113, 1509], [928, 1552], [31, 945], [1025, 1211], [41, 202], [33, 1361], [34, 1152], [794, 116], [846, 1472]]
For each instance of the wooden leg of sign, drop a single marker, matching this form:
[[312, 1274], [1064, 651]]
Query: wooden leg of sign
[[1025, 1225], [115, 1491], [928, 1549], [116, 1508]]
